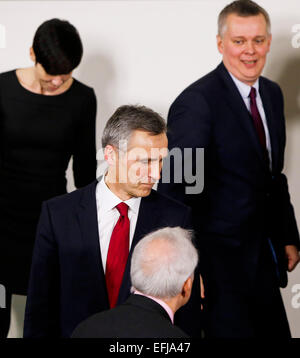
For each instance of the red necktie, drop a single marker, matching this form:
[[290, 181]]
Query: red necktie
[[117, 255], [258, 124]]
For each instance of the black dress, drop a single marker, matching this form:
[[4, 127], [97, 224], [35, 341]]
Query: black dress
[[38, 136]]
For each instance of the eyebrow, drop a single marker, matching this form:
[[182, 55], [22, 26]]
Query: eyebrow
[[243, 37], [151, 159]]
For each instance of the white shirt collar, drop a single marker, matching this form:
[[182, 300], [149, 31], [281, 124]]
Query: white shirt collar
[[243, 88], [109, 200]]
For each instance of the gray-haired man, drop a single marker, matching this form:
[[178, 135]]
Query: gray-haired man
[[81, 261], [162, 273]]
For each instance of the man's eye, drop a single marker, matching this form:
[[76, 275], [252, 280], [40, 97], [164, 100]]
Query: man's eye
[[144, 161], [238, 42]]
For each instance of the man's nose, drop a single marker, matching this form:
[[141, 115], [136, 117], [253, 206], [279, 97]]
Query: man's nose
[[155, 170], [250, 47]]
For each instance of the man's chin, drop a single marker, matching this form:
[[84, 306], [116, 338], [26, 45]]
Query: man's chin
[[144, 192]]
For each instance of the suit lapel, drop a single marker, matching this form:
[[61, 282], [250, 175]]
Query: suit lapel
[[237, 104], [88, 222], [270, 116], [148, 219]]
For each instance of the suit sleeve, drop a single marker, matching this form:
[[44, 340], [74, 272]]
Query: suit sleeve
[[42, 307], [189, 129], [188, 317], [84, 156], [286, 216]]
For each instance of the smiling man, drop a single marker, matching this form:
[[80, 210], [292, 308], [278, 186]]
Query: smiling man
[[244, 218], [81, 261], [244, 43]]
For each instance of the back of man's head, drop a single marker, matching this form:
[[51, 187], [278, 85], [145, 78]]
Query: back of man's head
[[162, 262]]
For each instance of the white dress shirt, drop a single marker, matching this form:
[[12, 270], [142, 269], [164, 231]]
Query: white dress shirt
[[245, 92], [108, 216]]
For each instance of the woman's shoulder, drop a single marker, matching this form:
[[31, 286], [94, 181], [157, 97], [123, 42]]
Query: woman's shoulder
[[82, 88], [8, 75], [8, 83]]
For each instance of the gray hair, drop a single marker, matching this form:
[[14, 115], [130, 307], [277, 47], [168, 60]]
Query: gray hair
[[129, 118], [162, 261], [243, 8]]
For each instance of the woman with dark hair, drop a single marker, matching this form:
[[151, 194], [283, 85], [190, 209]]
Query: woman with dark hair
[[46, 116]]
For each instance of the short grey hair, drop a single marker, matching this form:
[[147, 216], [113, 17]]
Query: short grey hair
[[162, 261], [243, 8], [129, 118]]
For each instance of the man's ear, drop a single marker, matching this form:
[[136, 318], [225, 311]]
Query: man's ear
[[32, 54], [110, 155], [187, 288], [269, 41], [220, 44]]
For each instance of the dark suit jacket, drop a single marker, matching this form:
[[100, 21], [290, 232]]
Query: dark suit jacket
[[242, 203], [138, 317], [67, 283]]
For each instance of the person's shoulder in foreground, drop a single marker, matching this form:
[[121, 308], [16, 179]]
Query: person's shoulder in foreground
[[130, 320]]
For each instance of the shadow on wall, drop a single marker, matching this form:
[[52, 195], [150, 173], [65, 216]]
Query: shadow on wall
[[97, 71], [284, 68], [289, 82]]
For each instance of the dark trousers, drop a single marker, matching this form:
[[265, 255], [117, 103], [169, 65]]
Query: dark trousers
[[257, 312]]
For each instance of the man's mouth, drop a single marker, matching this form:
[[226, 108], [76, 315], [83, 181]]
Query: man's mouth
[[249, 62]]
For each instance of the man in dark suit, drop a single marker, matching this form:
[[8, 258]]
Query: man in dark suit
[[162, 273], [244, 217], [81, 260]]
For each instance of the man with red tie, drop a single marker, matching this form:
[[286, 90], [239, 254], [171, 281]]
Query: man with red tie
[[81, 260], [162, 273], [247, 230]]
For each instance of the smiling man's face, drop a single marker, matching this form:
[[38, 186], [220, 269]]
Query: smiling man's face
[[244, 46]]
